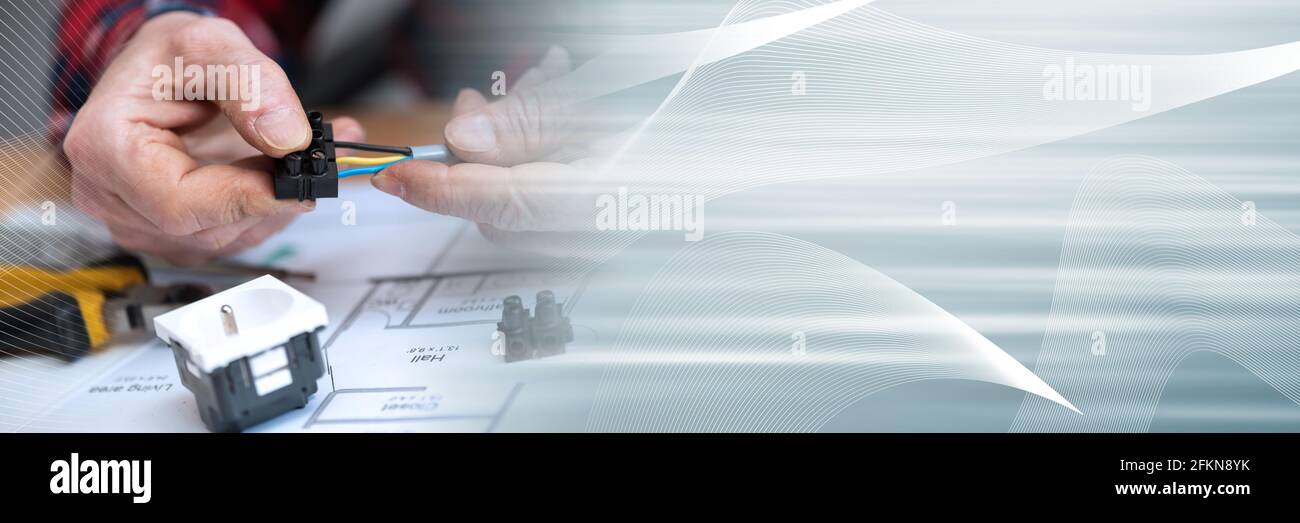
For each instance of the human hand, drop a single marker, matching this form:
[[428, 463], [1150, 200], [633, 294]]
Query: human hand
[[159, 173], [530, 169]]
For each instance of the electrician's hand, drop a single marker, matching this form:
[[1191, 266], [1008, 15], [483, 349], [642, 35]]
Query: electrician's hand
[[162, 174], [522, 178]]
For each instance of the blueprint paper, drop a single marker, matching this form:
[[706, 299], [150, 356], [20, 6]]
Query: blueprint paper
[[407, 348]]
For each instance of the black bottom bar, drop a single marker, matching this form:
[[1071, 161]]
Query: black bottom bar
[[998, 472]]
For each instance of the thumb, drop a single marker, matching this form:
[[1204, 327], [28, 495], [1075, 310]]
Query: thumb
[[522, 127], [264, 107]]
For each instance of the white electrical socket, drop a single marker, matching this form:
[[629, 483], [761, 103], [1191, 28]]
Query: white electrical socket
[[263, 313]]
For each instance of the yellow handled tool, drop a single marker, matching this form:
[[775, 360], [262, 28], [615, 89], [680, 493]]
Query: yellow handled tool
[[69, 313]]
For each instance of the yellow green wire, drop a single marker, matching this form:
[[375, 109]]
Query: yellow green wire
[[363, 160]]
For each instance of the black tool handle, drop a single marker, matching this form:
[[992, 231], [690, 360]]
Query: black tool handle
[[51, 324]]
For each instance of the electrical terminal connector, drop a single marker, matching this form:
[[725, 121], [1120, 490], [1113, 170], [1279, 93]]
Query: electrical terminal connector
[[311, 173], [544, 333]]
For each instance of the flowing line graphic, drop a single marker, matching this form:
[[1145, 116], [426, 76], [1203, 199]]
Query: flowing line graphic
[[751, 331], [881, 94], [25, 47], [788, 91], [1158, 264], [634, 60]]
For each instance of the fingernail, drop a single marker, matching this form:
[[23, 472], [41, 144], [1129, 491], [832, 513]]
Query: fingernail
[[283, 128], [472, 133], [389, 184]]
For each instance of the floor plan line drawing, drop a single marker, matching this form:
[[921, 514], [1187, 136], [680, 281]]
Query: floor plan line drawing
[[435, 371], [433, 280], [452, 274], [450, 324], [352, 316], [416, 302], [423, 299], [442, 256], [330, 397], [409, 346], [67, 397], [493, 418]]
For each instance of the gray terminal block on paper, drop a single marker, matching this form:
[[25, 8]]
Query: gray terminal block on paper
[[544, 333]]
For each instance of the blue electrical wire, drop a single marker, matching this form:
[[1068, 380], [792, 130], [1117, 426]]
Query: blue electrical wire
[[367, 170]]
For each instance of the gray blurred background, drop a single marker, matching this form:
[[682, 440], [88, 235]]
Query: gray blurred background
[[352, 52]]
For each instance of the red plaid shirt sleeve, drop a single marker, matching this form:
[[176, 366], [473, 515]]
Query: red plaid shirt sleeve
[[91, 32]]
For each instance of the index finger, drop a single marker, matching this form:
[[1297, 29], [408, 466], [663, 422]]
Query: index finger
[[533, 196]]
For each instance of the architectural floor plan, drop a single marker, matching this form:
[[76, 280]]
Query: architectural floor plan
[[409, 346]]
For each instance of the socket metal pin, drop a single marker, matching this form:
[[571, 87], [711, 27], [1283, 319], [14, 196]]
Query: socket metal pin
[[228, 320]]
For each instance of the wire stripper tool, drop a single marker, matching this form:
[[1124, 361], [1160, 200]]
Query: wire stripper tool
[[70, 313]]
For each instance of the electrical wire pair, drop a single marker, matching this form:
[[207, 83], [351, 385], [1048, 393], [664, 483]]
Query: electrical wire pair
[[372, 165]]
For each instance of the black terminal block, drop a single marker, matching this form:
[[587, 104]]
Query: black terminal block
[[229, 399], [313, 172], [543, 334]]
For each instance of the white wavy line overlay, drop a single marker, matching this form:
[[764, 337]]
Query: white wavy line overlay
[[882, 95], [885, 94], [27, 382], [708, 344], [1163, 264], [634, 60]]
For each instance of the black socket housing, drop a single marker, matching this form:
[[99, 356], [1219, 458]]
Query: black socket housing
[[228, 399], [313, 172]]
